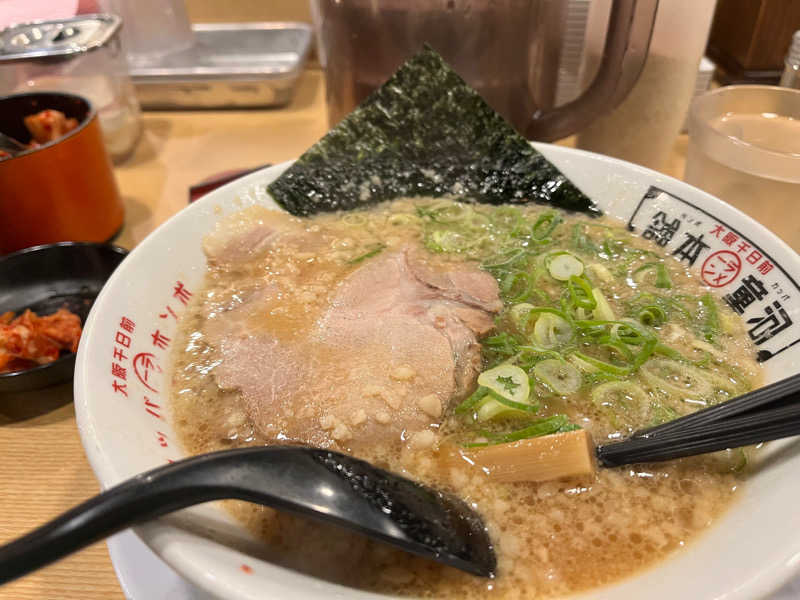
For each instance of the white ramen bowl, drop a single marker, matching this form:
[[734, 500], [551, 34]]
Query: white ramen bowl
[[122, 409]]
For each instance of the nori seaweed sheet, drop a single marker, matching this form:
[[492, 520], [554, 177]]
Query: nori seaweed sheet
[[424, 132]]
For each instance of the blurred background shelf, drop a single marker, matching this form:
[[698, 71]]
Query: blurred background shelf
[[230, 65]]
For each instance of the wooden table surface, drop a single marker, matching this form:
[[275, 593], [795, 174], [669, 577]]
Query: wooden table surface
[[42, 464], [43, 468]]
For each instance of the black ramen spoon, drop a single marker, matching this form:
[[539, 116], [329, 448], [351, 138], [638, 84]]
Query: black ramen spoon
[[320, 484]]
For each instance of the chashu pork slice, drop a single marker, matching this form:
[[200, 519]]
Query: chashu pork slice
[[394, 346]]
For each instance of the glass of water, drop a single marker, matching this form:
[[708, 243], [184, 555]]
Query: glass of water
[[744, 148]]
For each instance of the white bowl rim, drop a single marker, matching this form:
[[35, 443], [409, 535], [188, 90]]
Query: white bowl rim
[[769, 579]]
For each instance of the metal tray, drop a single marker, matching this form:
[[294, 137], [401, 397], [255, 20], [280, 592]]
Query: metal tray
[[231, 65]]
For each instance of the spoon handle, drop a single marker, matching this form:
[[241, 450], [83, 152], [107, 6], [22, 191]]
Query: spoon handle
[[144, 497], [270, 476], [309, 482]]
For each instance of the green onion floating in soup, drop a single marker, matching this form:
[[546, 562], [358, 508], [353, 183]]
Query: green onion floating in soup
[[593, 316]]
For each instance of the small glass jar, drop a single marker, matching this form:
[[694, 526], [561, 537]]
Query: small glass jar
[[81, 55], [744, 148]]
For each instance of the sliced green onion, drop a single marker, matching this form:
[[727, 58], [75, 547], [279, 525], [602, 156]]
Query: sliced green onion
[[507, 381], [729, 321], [662, 275], [547, 426], [520, 315], [506, 260], [601, 272], [526, 406], [670, 353], [424, 213], [617, 346], [711, 324], [552, 330], [501, 347], [613, 252], [708, 349], [559, 376], [517, 286], [631, 332], [563, 265], [619, 394], [445, 240], [704, 362], [580, 293], [504, 216], [354, 218], [521, 229], [472, 401], [582, 365], [531, 354], [545, 225], [398, 219], [652, 316], [491, 409], [675, 304], [625, 330], [647, 349], [661, 413], [602, 366], [449, 212], [377, 249], [582, 242], [592, 327], [626, 403], [679, 378], [602, 309], [495, 406], [725, 386], [663, 280], [667, 303]]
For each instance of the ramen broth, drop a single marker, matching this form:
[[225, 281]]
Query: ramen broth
[[551, 538]]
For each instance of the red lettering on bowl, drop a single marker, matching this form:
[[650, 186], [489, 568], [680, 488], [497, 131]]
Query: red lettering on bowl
[[144, 366], [721, 268]]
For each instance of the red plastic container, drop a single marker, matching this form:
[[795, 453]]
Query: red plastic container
[[63, 190]]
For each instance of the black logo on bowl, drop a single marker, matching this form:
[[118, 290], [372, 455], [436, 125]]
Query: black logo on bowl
[[755, 286]]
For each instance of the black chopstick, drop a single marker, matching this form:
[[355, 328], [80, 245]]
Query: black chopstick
[[719, 436], [785, 390], [766, 414]]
